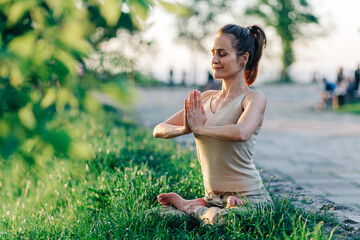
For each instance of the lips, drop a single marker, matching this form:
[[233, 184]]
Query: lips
[[216, 68]]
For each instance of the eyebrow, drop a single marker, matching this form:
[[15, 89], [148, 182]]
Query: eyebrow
[[219, 49]]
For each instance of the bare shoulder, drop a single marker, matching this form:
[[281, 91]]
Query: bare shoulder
[[255, 98], [206, 94]]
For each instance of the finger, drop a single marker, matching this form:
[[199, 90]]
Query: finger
[[202, 109], [198, 99], [188, 109], [190, 102], [195, 98]]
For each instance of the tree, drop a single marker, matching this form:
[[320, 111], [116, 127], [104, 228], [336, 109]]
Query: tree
[[42, 45], [198, 26], [287, 17]]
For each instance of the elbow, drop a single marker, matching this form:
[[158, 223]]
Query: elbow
[[156, 133], [241, 136]]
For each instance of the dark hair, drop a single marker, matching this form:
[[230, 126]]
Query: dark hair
[[251, 39]]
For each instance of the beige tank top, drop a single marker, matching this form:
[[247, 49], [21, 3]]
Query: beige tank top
[[227, 166]]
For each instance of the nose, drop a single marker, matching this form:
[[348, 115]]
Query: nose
[[214, 59]]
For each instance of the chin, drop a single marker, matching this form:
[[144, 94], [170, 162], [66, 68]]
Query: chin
[[217, 76]]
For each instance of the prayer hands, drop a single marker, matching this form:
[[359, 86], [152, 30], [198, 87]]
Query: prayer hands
[[194, 111]]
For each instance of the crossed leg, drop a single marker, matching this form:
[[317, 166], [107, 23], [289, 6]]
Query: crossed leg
[[188, 206], [175, 200]]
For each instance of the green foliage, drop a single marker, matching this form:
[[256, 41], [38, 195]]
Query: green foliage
[[108, 195], [287, 18], [194, 29], [43, 46]]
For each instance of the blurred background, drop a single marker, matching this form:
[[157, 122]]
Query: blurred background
[[321, 43], [140, 58]]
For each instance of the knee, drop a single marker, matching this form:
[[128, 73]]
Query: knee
[[214, 216]]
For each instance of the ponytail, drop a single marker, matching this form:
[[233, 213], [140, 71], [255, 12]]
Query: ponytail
[[252, 66], [251, 39]]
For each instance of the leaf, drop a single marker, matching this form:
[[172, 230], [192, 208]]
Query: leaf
[[111, 11], [17, 10], [16, 77], [13, 100], [66, 59], [311, 18], [42, 52], [73, 35], [49, 98], [62, 99], [138, 12], [27, 117], [304, 3], [176, 8], [37, 16], [23, 45], [56, 6], [4, 129]]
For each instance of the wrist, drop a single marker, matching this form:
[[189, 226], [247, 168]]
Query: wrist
[[197, 129], [186, 130]]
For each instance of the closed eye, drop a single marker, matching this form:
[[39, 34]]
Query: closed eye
[[221, 52]]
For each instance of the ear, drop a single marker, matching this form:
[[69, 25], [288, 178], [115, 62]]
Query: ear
[[244, 58]]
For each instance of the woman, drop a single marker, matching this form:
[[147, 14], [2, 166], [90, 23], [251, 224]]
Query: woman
[[225, 124]]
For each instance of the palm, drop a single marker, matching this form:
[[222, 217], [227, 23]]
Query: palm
[[195, 114]]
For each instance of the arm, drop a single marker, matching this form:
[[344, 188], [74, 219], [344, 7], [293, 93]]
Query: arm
[[176, 125], [254, 106], [172, 127]]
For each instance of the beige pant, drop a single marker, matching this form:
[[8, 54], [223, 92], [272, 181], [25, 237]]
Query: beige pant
[[216, 209]]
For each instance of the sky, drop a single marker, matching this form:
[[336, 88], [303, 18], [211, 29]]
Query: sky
[[320, 56]]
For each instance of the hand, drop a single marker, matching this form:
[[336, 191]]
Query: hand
[[186, 124], [194, 109]]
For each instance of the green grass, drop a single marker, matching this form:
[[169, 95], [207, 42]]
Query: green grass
[[107, 196], [351, 108]]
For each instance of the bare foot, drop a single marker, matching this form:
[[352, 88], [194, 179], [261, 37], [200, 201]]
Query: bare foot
[[234, 201], [175, 200]]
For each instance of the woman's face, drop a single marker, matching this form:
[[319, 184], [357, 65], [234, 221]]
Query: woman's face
[[225, 62]]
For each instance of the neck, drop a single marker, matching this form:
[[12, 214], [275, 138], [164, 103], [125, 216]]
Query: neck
[[234, 86]]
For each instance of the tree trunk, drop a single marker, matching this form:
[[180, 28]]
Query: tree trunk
[[287, 61]]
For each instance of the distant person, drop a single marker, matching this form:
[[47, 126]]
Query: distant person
[[183, 79], [357, 79], [225, 124], [171, 78], [340, 76], [341, 89], [326, 94]]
